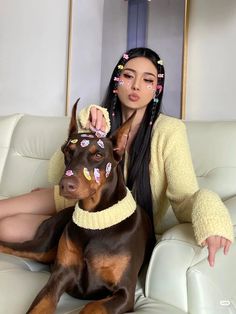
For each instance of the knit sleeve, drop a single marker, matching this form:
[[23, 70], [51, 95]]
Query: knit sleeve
[[204, 208], [85, 114]]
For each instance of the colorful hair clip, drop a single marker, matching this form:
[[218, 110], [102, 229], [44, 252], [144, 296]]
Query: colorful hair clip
[[125, 56], [159, 88], [114, 91], [160, 75], [116, 79], [120, 67], [160, 62]]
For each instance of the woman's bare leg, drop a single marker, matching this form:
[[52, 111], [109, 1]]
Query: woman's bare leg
[[20, 216], [40, 202], [20, 228]]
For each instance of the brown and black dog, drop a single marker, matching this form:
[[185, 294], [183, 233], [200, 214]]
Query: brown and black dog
[[97, 250]]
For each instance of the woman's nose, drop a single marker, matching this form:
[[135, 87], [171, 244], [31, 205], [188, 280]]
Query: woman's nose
[[136, 84]]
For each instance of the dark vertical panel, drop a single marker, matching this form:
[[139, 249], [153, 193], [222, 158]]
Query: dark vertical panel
[[137, 22]]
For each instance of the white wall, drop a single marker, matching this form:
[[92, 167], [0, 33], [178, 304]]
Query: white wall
[[165, 35], [211, 76], [86, 51], [33, 56]]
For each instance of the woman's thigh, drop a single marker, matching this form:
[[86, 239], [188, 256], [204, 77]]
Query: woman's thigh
[[39, 202], [21, 227]]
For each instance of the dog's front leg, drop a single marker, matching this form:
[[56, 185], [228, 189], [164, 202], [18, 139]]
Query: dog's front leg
[[47, 299]]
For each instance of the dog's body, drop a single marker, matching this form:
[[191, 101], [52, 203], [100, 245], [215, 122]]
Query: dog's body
[[98, 261]]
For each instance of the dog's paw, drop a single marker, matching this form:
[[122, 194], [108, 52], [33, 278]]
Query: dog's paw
[[94, 308]]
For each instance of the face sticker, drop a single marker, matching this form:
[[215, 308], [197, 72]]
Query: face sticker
[[98, 133], [87, 135], [121, 82], [96, 173], [74, 141], [87, 174], [100, 143], [108, 169], [69, 173], [84, 143]]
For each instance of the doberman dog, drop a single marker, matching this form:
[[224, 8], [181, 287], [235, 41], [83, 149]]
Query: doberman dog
[[97, 248]]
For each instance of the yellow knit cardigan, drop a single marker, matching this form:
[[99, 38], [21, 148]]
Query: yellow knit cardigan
[[172, 179]]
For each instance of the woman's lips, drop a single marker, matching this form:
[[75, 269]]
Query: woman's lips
[[133, 97]]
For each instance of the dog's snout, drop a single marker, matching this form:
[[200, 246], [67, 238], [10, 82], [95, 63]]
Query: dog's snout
[[68, 186]]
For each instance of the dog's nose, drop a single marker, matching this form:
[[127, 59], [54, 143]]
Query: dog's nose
[[67, 186]]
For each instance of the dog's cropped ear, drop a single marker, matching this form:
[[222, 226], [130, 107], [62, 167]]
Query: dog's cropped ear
[[73, 128], [120, 137]]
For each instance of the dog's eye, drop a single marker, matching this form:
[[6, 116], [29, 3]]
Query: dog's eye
[[98, 156]]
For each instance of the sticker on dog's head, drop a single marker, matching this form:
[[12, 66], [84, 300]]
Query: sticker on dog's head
[[100, 143], [96, 173], [84, 143], [108, 169], [87, 174]]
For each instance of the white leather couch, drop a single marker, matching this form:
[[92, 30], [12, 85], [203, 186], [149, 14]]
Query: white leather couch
[[179, 279]]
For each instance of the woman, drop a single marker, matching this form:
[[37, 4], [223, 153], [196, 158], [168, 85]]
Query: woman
[[158, 166]]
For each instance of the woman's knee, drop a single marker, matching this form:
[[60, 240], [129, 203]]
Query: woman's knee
[[8, 230]]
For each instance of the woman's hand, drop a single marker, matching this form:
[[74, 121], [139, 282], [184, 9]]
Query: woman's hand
[[214, 243], [97, 120]]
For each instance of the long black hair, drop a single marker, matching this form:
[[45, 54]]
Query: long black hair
[[138, 177]]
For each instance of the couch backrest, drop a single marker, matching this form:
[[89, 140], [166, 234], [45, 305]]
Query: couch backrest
[[213, 148], [33, 141], [28, 142]]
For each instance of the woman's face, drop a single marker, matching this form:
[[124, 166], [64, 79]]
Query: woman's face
[[137, 85]]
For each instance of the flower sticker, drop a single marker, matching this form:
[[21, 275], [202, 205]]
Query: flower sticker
[[69, 173], [84, 143], [125, 56], [100, 143]]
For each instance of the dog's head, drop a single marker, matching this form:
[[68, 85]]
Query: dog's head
[[91, 162]]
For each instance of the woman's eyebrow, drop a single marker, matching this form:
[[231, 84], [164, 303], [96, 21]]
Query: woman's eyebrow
[[146, 73]]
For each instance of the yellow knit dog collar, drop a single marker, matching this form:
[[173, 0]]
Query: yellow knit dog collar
[[107, 217]]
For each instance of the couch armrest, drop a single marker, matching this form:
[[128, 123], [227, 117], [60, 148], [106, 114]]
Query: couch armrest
[[179, 274]]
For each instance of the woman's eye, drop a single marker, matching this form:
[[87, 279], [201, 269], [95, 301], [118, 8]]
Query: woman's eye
[[148, 81], [98, 155], [128, 76]]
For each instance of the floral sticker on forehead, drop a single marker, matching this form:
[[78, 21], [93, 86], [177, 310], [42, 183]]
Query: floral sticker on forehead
[[84, 143], [100, 143]]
